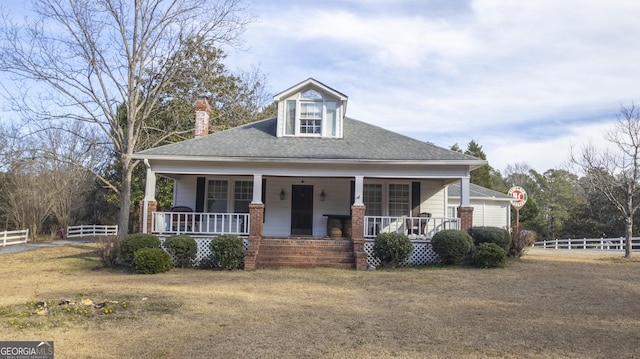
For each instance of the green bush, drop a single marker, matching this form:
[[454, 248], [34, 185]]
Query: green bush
[[392, 248], [151, 261], [496, 235], [489, 255], [452, 245], [227, 251], [183, 248], [131, 243]]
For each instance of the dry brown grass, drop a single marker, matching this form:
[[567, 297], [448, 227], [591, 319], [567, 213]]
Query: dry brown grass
[[544, 306]]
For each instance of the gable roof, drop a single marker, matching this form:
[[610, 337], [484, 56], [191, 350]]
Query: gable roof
[[258, 141], [310, 82], [476, 191]]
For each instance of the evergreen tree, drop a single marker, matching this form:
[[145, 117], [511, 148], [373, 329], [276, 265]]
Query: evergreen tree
[[481, 176]]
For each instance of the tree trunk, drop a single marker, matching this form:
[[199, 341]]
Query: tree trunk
[[125, 196]]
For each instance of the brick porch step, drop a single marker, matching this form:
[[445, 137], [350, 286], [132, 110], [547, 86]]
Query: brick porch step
[[333, 253]]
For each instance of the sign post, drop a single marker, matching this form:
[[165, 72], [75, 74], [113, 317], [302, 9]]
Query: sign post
[[519, 199]]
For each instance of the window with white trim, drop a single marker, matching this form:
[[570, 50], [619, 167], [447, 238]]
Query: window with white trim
[[398, 200], [290, 117], [311, 117], [217, 196], [372, 198], [332, 118], [243, 195]]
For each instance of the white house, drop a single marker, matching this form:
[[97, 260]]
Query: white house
[[309, 177]]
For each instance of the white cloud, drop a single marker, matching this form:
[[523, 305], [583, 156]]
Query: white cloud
[[541, 71]]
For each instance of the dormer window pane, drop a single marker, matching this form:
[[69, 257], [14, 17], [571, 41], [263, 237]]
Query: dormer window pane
[[290, 117], [311, 110], [331, 118], [311, 95], [311, 126], [311, 117]]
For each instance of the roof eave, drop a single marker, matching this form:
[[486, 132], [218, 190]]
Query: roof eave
[[471, 163]]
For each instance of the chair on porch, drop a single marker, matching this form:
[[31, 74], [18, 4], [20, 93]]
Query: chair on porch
[[417, 226], [179, 221]]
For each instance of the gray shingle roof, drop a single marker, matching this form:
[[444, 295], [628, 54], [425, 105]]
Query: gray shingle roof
[[477, 192], [258, 140]]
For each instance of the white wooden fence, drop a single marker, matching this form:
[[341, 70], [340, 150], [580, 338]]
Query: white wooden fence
[[589, 243], [87, 230], [14, 237]]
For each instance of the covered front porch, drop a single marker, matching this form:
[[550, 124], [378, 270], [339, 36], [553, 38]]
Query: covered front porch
[[299, 209]]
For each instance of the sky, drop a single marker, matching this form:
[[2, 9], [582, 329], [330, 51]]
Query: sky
[[527, 80]]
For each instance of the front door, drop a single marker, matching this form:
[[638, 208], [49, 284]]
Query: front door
[[301, 210]]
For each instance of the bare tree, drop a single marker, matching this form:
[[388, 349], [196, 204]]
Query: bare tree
[[107, 63], [26, 195], [616, 174], [61, 151]]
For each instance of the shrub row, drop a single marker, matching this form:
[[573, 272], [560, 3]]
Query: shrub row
[[144, 253], [484, 247]]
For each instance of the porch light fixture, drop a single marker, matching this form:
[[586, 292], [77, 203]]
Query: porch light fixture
[[282, 194], [322, 196]]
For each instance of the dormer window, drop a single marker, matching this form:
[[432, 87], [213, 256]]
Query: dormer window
[[311, 110], [316, 115]]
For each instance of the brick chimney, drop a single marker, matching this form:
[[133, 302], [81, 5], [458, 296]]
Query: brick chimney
[[203, 109]]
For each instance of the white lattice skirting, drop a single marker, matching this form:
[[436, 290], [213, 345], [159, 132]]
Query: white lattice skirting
[[422, 254]]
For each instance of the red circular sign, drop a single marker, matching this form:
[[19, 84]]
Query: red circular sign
[[519, 196]]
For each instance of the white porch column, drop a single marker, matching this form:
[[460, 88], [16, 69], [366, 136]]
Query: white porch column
[[358, 190], [464, 192], [257, 188], [149, 196]]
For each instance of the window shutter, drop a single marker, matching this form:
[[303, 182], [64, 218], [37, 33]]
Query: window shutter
[[415, 199], [200, 185]]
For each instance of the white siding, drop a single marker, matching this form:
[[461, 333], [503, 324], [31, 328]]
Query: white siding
[[497, 215], [184, 192], [433, 198], [490, 213]]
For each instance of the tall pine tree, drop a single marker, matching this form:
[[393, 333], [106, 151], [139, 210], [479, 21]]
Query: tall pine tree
[[481, 176]]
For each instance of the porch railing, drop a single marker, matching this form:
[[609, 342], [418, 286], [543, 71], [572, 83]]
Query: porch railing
[[414, 227], [200, 223]]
